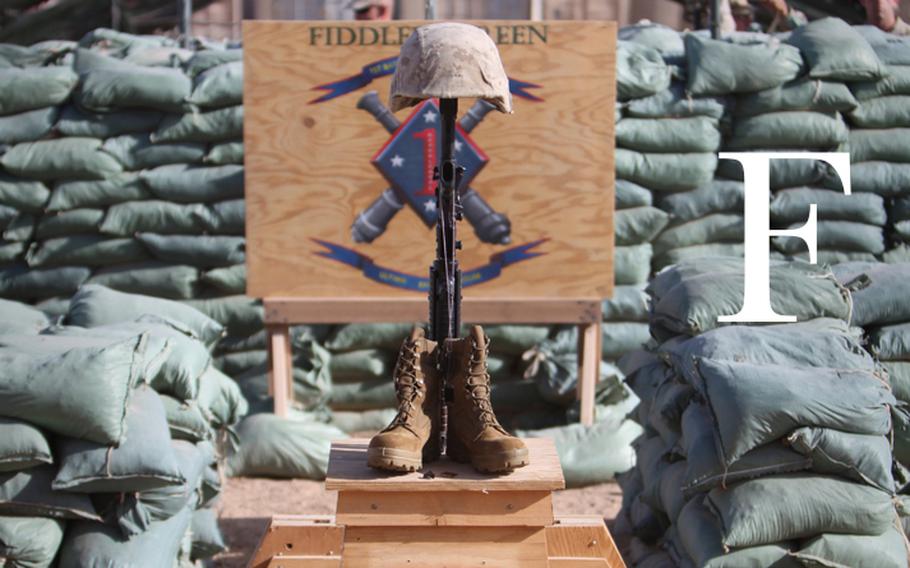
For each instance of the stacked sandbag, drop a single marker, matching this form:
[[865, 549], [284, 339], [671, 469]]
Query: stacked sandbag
[[114, 427], [763, 445]]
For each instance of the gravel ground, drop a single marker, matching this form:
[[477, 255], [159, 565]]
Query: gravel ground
[[248, 503]]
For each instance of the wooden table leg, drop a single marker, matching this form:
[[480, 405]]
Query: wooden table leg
[[281, 379], [589, 348]]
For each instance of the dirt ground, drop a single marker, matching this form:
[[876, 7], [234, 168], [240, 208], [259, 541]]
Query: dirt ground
[[247, 504]]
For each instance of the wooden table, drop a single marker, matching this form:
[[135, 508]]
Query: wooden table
[[446, 515]]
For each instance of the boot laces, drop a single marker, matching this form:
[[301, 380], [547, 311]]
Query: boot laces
[[407, 386], [478, 385]]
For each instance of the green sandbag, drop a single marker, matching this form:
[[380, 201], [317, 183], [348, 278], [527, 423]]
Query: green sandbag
[[883, 112], [692, 134], [638, 225], [714, 228], [206, 251], [136, 152], [789, 129], [26, 89], [228, 280], [720, 68], [897, 255], [192, 184], [667, 279], [891, 342], [213, 126], [802, 94], [887, 144], [85, 250], [900, 209], [356, 366], [240, 315], [753, 405], [718, 196], [629, 303], [124, 85], [671, 498], [211, 484], [667, 41], [702, 539], [95, 306], [674, 102], [665, 172], [693, 306], [640, 71], [239, 362], [161, 217], [792, 206], [24, 283], [220, 398], [185, 358], [622, 337], [28, 492], [19, 318], [219, 86], [364, 395], [354, 336], [159, 279], [860, 458], [21, 229], [60, 158], [97, 193], [37, 55], [185, 420], [72, 222], [901, 231], [207, 539], [786, 173], [311, 381], [876, 296], [98, 545], [897, 82], [632, 265], [836, 51], [11, 251], [76, 122], [580, 465], [118, 43], [350, 421], [225, 217], [136, 513], [630, 195], [833, 257], [797, 506], [143, 460], [828, 550], [54, 308], [515, 339], [30, 542], [204, 60], [884, 178], [81, 393], [27, 126], [225, 153], [22, 446], [283, 447], [899, 378], [7, 216], [838, 235]]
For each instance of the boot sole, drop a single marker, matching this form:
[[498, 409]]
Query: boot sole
[[496, 463], [391, 459]]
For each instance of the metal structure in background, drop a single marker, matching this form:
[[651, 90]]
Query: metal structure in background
[[186, 22], [430, 9]]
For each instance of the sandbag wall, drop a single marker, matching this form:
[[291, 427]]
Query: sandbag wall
[[114, 428], [823, 87], [765, 445]]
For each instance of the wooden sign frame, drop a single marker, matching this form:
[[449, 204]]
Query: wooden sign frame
[[285, 61]]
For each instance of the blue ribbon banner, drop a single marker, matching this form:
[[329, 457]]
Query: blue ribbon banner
[[385, 67], [474, 276]]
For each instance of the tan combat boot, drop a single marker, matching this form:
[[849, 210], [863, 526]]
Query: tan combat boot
[[474, 434], [413, 434]]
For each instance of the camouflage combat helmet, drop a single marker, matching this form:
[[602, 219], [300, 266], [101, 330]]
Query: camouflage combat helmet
[[450, 60]]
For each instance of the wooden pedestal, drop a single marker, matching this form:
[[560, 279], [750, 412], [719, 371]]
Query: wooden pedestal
[[448, 515]]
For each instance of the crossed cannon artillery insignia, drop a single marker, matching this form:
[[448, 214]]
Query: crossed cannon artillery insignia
[[415, 141]]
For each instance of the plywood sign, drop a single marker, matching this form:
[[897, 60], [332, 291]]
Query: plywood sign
[[339, 192]]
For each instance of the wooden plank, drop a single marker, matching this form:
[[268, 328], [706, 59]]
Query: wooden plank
[[451, 547], [582, 536], [474, 310], [281, 379], [299, 535], [348, 471], [566, 562], [309, 171], [445, 508], [589, 368], [305, 562]]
